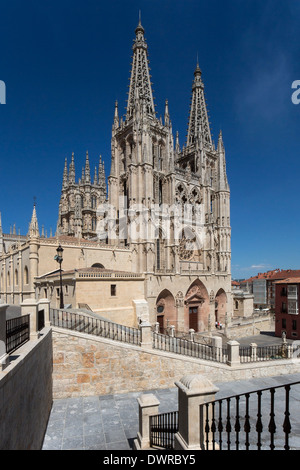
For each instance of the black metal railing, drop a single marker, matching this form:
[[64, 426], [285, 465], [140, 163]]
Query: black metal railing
[[162, 430], [189, 348], [248, 421], [17, 332], [94, 326]]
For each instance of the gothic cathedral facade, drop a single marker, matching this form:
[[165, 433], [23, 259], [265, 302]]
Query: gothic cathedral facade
[[166, 212], [169, 205]]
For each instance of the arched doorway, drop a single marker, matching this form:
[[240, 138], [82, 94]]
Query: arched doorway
[[196, 307], [220, 306], [165, 310]]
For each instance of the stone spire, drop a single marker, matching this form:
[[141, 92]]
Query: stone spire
[[177, 146], [95, 175], [87, 168], [198, 126], [72, 170], [116, 116], [167, 116], [33, 227], [65, 175], [140, 90], [101, 173], [223, 182]]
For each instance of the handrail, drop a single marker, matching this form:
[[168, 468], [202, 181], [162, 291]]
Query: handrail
[[224, 416], [188, 348], [17, 332], [94, 326]]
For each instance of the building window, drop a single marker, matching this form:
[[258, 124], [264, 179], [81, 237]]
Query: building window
[[283, 292], [158, 253], [159, 158], [26, 280], [113, 290], [294, 324], [160, 195], [283, 323], [236, 304], [16, 277], [45, 292], [283, 307], [8, 278]]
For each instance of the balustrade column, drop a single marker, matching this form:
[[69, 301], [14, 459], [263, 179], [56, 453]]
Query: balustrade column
[[217, 347], [191, 334], [193, 392], [253, 351], [146, 335], [148, 406], [233, 353]]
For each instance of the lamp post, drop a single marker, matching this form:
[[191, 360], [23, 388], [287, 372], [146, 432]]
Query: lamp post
[[59, 259]]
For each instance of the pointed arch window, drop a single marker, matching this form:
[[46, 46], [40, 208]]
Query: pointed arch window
[[158, 248], [160, 193], [26, 277], [159, 158]]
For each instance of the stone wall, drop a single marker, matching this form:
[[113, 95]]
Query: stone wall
[[252, 326], [84, 366], [26, 395]]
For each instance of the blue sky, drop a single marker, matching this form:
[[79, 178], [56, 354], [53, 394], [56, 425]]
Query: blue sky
[[65, 63]]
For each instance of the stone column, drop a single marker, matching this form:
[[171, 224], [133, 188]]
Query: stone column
[[172, 330], [217, 347], [44, 304], [233, 353], [191, 334], [148, 406], [4, 357], [30, 306], [193, 392], [146, 335], [253, 351]]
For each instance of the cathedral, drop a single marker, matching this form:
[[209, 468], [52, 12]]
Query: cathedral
[[160, 230]]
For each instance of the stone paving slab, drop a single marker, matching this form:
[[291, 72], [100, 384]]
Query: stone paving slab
[[110, 422]]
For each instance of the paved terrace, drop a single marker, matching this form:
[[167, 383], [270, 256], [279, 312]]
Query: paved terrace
[[110, 422]]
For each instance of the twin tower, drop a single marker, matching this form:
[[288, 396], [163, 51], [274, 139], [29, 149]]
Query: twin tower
[[169, 205]]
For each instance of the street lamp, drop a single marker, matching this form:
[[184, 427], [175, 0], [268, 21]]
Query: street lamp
[[59, 259]]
